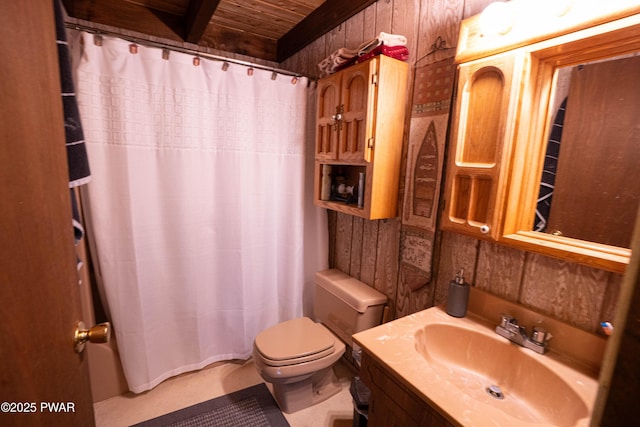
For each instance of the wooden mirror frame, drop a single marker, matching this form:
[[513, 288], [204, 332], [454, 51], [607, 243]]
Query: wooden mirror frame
[[588, 30]]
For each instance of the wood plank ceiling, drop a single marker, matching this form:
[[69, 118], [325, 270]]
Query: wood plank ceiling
[[272, 30]]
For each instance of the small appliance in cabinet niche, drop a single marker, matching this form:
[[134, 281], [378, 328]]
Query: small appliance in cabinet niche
[[359, 131]]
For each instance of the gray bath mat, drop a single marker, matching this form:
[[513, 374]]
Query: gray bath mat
[[253, 406]]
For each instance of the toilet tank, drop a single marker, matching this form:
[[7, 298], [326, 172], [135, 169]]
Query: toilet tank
[[346, 305]]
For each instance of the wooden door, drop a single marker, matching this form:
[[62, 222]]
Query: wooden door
[[597, 186], [328, 108], [42, 379], [358, 108]]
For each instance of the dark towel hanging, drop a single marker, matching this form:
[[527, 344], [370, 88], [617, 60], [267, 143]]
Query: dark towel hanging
[[77, 159], [547, 182], [79, 172]]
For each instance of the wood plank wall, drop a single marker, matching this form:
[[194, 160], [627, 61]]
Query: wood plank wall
[[371, 250]]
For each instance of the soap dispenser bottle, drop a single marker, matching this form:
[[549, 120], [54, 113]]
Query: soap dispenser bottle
[[458, 296]]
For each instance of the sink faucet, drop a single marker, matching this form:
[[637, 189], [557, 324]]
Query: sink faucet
[[511, 330]]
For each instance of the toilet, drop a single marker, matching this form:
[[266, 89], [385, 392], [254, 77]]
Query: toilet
[[297, 356]]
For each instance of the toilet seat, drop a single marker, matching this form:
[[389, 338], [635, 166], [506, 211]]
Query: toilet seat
[[294, 341]]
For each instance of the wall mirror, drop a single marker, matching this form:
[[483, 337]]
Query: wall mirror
[[575, 177], [590, 182]]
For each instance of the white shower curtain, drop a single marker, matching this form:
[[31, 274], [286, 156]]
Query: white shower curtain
[[199, 206]]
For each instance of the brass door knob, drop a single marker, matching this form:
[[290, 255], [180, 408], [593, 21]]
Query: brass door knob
[[100, 333]]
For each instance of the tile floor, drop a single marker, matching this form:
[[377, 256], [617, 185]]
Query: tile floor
[[213, 381]]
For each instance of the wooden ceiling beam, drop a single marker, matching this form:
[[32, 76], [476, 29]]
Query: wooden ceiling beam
[[231, 40], [198, 16], [320, 21], [128, 16]]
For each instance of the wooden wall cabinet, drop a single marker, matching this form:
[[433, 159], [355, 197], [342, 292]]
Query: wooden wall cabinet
[[359, 134], [509, 88], [392, 403]]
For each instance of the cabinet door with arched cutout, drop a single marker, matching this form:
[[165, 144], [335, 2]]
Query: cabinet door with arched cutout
[[482, 133]]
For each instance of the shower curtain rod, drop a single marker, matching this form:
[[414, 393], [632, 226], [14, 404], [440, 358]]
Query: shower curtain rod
[[188, 51]]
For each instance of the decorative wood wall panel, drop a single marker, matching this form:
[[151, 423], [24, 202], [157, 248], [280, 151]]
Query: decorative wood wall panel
[[611, 295], [564, 290], [371, 250], [499, 270], [357, 246], [370, 231]]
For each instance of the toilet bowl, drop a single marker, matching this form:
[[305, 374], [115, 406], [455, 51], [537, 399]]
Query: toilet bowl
[[297, 356]]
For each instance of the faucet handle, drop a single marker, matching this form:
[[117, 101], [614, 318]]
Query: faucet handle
[[507, 319], [540, 335]]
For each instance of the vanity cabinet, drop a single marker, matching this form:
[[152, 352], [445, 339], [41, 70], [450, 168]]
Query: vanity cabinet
[[392, 403], [359, 134], [484, 127]]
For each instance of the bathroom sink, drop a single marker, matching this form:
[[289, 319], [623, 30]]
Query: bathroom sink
[[494, 371], [474, 377]]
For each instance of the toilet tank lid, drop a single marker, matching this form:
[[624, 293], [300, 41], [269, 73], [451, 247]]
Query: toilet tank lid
[[357, 294]]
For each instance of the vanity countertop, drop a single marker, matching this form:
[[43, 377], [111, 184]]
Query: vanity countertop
[[447, 378]]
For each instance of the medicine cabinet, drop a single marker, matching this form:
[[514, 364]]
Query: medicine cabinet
[[359, 133], [545, 132]]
